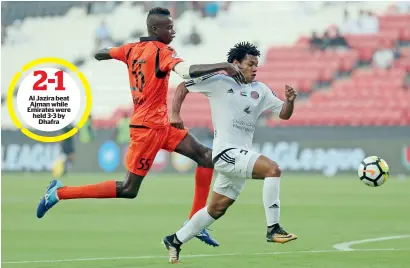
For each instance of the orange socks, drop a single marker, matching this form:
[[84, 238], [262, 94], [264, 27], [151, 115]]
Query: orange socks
[[106, 189], [203, 180]]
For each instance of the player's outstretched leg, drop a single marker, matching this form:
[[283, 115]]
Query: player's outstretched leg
[[270, 171], [202, 155], [200, 221], [109, 189]]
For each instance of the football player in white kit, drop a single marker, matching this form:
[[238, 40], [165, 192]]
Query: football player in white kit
[[235, 109]]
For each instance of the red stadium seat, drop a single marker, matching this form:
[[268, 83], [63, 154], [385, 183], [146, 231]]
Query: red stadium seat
[[362, 41], [347, 64], [405, 35], [303, 41], [305, 85], [366, 53], [399, 21]]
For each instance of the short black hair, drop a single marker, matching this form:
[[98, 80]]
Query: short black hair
[[159, 11], [240, 50]]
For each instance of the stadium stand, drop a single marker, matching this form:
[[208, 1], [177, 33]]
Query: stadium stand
[[336, 88]]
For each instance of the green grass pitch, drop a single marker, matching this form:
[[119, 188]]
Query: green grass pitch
[[127, 233]]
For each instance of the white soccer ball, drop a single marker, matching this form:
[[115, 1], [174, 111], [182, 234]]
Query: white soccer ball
[[373, 171]]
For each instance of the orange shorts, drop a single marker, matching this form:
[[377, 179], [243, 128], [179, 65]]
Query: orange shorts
[[145, 144]]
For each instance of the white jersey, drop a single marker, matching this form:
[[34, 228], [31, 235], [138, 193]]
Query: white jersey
[[235, 109]]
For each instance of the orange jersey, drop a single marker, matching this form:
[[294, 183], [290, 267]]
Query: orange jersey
[[149, 63]]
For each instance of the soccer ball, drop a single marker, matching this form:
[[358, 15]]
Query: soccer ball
[[373, 171]]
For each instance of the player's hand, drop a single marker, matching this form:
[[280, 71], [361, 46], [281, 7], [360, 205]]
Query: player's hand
[[235, 72], [176, 121], [290, 93]]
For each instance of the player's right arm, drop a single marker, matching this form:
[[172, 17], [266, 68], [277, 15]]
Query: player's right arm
[[187, 71], [118, 53], [169, 60], [205, 85], [103, 54]]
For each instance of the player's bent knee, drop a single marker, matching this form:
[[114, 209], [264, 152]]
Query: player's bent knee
[[217, 213], [217, 210], [127, 192], [129, 188], [273, 171]]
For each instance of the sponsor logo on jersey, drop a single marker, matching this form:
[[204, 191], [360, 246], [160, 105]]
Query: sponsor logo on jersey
[[231, 91], [254, 95]]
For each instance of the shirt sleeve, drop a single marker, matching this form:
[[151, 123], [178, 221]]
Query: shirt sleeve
[[271, 101], [206, 84], [120, 53], [168, 58]]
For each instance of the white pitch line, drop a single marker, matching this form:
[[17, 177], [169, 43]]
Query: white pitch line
[[197, 256], [346, 246]]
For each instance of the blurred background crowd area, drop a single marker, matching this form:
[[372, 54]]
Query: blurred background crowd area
[[349, 61]]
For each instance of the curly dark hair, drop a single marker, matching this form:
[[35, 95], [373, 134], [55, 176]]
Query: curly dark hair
[[159, 11], [240, 50]]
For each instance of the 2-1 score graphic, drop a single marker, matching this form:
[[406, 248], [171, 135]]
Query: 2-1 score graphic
[[49, 98], [47, 103], [43, 77]]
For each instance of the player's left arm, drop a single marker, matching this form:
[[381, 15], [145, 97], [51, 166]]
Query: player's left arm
[[288, 107], [179, 97], [282, 109]]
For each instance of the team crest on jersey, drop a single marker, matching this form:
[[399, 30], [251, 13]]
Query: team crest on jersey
[[254, 95]]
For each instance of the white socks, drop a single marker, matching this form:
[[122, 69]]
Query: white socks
[[198, 222], [271, 200], [202, 219]]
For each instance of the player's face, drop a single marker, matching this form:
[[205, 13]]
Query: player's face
[[249, 67], [165, 30]]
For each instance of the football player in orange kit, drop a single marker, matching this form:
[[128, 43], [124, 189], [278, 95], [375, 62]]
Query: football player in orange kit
[[149, 63]]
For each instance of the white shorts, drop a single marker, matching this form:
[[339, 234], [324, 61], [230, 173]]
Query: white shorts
[[234, 166]]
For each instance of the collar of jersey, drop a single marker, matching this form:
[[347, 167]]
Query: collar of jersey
[[150, 38]]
